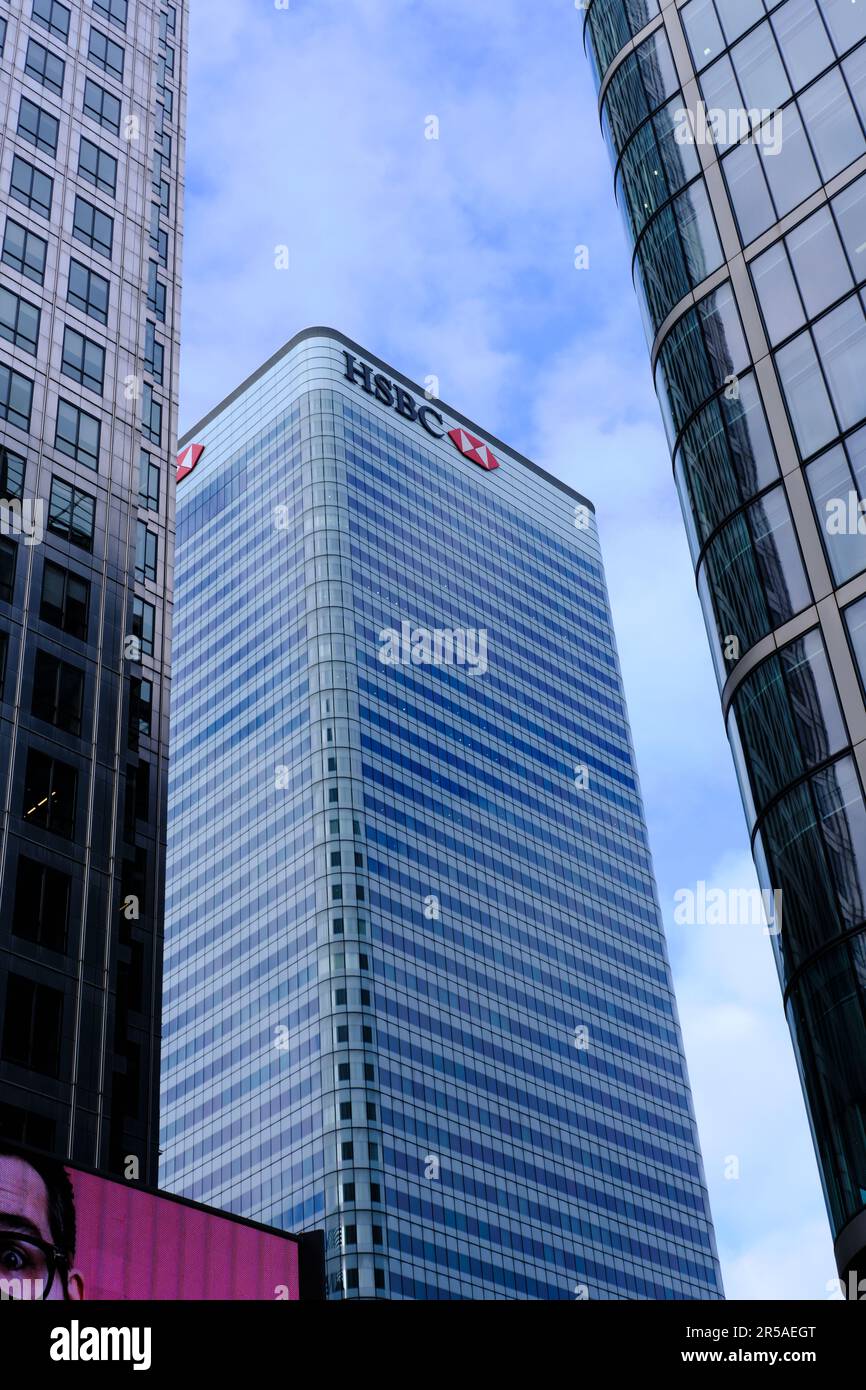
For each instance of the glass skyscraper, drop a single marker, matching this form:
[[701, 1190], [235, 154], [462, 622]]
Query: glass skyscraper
[[91, 155], [416, 990], [737, 129]]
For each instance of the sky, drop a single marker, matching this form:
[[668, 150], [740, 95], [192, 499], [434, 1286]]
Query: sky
[[455, 257]]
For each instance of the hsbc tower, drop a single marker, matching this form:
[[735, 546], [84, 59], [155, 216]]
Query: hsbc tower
[[416, 986]]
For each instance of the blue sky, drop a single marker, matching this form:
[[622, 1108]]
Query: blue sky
[[455, 257]]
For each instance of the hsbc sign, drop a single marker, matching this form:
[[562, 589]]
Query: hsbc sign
[[389, 393], [187, 460]]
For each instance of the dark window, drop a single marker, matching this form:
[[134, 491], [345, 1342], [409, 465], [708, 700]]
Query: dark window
[[375, 1192], [11, 475], [343, 1071], [41, 904], [371, 1110], [65, 601], [97, 167], [140, 709], [377, 1235], [72, 514], [38, 126], [101, 106], [32, 1025], [58, 693], [94, 228], [154, 354], [137, 804], [19, 321], [347, 1152], [148, 482], [52, 16], [83, 361], [348, 1192], [345, 1110], [45, 67], [25, 251], [106, 53], [158, 238], [77, 434], [88, 291], [31, 187], [155, 293], [16, 398], [145, 553], [144, 624], [351, 1278], [151, 415], [4, 653], [115, 10], [8, 556], [2, 36], [50, 788], [22, 1126]]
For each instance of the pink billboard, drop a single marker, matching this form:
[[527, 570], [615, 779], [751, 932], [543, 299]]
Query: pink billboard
[[66, 1234]]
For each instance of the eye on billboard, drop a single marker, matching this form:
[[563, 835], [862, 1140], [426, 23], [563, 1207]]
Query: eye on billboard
[[67, 1234]]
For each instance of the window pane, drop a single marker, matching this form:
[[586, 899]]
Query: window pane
[[791, 172], [837, 506], [832, 124], [806, 395], [803, 40], [777, 293], [763, 81], [841, 341], [819, 261], [748, 189]]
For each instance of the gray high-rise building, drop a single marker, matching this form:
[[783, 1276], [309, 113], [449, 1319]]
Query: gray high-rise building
[[738, 133], [91, 193]]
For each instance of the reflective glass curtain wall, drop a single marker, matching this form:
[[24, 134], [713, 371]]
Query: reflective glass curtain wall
[[416, 984], [737, 130], [91, 191]]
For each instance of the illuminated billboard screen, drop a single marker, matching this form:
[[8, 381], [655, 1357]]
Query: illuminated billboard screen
[[69, 1234]]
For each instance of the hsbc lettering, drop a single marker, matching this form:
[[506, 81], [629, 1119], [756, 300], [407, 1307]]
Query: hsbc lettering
[[395, 396]]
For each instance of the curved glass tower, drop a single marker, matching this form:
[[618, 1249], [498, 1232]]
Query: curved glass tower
[[737, 129]]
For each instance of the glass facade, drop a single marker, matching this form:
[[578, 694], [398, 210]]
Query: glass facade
[[91, 189], [737, 129], [416, 985]]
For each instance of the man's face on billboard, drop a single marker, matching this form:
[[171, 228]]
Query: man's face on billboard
[[26, 1242]]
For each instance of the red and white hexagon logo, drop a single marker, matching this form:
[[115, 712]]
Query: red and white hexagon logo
[[187, 460], [474, 449]]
